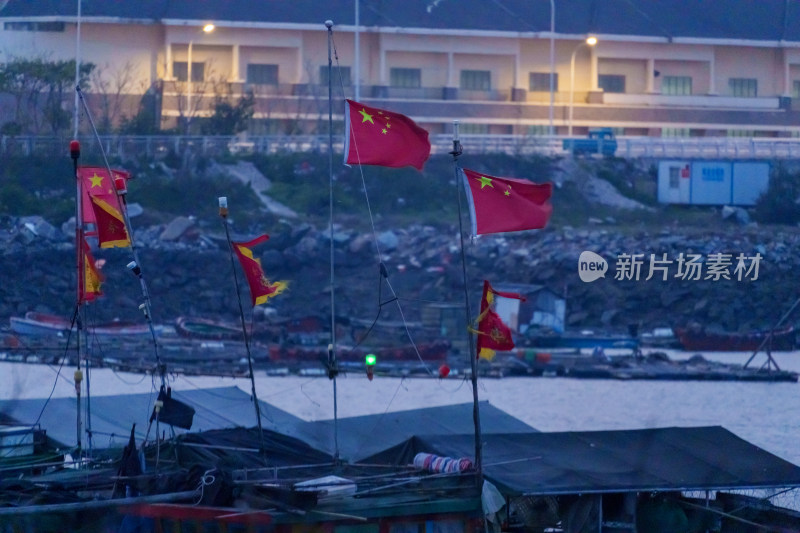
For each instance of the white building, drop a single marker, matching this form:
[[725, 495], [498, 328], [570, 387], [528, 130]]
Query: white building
[[677, 67]]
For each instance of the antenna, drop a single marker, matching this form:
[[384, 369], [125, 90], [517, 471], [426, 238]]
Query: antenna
[[332, 346], [476, 415]]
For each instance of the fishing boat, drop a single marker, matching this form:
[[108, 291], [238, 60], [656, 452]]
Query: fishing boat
[[43, 324], [203, 328], [707, 340]]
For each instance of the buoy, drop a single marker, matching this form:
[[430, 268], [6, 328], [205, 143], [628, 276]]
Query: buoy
[[444, 371]]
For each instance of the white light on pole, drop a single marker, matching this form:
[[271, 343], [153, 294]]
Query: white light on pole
[[590, 41], [208, 28]]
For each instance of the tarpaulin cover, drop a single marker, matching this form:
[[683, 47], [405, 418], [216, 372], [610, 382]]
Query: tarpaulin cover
[[364, 436], [699, 458], [113, 416]]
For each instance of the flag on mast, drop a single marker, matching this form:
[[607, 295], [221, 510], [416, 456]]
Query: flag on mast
[[499, 205], [96, 183], [111, 229], [92, 278], [378, 137], [261, 289], [101, 205], [493, 334]]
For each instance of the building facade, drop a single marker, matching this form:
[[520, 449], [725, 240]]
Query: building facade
[[658, 68]]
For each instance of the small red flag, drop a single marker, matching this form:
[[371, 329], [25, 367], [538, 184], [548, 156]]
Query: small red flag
[[111, 229], [378, 137], [92, 278], [492, 333], [498, 205], [261, 289]]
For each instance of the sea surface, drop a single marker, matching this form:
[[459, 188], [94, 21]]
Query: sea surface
[[766, 414]]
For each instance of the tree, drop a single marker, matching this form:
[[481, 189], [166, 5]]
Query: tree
[[229, 118], [113, 86], [41, 92], [781, 203]]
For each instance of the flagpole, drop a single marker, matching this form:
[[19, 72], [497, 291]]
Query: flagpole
[[476, 415], [135, 265], [223, 212], [332, 363], [75, 153]]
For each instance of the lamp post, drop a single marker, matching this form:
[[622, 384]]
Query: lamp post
[[552, 62], [590, 41], [208, 28]]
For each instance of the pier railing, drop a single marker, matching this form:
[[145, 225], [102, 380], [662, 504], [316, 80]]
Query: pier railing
[[156, 146]]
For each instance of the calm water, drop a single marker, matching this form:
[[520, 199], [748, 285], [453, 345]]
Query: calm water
[[766, 414]]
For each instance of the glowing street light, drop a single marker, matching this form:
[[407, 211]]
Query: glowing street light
[[590, 41]]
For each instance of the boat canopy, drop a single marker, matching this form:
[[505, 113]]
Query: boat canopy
[[584, 462]]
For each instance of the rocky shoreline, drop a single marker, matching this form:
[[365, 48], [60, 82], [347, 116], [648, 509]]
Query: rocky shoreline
[[189, 273]]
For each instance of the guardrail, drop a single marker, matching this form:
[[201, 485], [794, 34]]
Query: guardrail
[[157, 146]]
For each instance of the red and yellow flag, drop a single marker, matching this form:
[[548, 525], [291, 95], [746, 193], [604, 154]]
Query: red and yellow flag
[[111, 229], [378, 137], [96, 183], [493, 334], [261, 289], [498, 205], [92, 278]]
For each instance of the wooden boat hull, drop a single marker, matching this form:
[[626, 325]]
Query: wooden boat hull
[[708, 341]]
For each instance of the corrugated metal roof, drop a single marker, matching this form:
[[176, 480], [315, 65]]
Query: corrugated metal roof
[[765, 20]]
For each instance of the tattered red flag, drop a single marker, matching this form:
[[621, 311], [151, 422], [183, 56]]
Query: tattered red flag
[[261, 289], [493, 334]]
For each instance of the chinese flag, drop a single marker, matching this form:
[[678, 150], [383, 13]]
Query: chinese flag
[[383, 138], [498, 205], [96, 183], [90, 288], [492, 333], [111, 229], [261, 289]]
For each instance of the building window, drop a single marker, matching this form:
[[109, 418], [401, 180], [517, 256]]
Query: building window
[[742, 133], [675, 132], [676, 85], [743, 87], [538, 129], [540, 82], [405, 77], [476, 80], [341, 75], [796, 89], [674, 177], [180, 69], [475, 129], [262, 74], [611, 83], [34, 26]]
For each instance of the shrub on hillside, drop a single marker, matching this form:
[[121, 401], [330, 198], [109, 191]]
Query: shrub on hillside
[[779, 205]]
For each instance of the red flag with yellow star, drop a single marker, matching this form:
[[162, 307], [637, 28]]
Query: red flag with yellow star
[[493, 334], [261, 289], [96, 183], [498, 205], [379, 137]]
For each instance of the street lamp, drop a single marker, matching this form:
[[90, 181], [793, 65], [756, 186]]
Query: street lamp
[[208, 28], [590, 41], [552, 62]]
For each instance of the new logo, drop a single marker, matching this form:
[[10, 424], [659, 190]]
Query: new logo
[[591, 266]]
